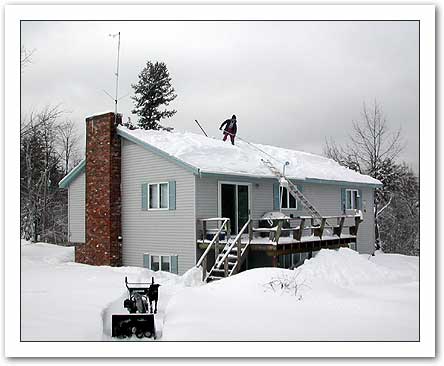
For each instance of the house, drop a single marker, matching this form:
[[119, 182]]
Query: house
[[139, 198]]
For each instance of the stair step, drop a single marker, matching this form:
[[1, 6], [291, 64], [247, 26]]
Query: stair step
[[231, 258], [217, 270], [231, 262], [213, 278]]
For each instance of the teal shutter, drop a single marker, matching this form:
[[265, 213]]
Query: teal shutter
[[175, 264], [343, 200], [360, 200], [276, 204], [146, 260], [172, 194], [300, 206], [144, 203]]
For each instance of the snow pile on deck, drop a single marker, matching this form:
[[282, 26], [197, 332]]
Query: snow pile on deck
[[215, 156], [341, 295]]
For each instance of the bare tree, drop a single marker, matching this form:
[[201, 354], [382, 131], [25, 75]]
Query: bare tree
[[371, 142], [31, 123], [372, 150], [25, 57], [40, 173], [68, 142]]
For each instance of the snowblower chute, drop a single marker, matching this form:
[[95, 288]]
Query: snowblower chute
[[139, 321]]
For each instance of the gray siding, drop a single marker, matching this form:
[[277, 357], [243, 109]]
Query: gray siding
[[207, 195], [327, 200], [76, 209], [325, 197], [169, 232]]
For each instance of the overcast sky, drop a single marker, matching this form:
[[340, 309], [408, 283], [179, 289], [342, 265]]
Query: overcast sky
[[291, 84]]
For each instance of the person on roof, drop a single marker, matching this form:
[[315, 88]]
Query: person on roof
[[230, 128]]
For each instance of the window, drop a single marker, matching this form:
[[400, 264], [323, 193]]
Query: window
[[154, 265], [158, 196], [165, 261], [288, 201], [351, 199], [292, 260], [162, 262]]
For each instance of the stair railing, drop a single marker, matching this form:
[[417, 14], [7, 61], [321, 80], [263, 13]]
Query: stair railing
[[203, 259], [237, 241]]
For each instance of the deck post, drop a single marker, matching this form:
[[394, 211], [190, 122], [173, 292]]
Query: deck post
[[250, 231], [357, 222], [274, 261], [204, 268], [338, 230], [204, 230], [321, 229], [298, 235], [226, 267], [216, 245], [354, 229], [278, 231], [239, 246]]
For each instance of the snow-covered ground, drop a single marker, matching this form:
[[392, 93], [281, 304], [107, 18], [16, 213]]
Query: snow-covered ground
[[339, 295]]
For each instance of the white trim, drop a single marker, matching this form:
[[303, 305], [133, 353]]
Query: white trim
[[281, 188], [158, 196], [219, 198], [160, 260], [194, 217], [352, 200], [69, 216]]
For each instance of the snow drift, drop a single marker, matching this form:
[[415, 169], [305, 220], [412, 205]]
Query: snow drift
[[340, 295]]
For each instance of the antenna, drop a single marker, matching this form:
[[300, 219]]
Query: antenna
[[116, 98]]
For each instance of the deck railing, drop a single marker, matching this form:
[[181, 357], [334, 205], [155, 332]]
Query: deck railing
[[307, 223], [300, 227], [214, 241]]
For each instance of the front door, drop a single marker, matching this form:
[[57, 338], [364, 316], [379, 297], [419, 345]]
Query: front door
[[234, 203]]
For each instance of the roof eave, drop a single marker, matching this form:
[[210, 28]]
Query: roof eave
[[67, 179], [306, 180], [159, 152], [343, 182]]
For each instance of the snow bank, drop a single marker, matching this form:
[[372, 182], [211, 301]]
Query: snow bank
[[346, 267], [215, 156], [67, 301], [341, 296], [45, 253]]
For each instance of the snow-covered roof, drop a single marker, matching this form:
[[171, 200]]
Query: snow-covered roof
[[210, 155]]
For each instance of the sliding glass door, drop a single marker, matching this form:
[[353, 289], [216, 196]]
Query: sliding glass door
[[234, 203]]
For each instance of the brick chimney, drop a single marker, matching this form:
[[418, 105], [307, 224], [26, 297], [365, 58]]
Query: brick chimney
[[102, 195]]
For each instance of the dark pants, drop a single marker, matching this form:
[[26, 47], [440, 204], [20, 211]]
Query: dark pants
[[229, 133]]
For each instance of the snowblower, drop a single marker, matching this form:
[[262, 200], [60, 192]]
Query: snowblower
[[140, 320]]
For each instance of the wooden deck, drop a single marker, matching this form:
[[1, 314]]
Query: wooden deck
[[289, 245], [301, 234]]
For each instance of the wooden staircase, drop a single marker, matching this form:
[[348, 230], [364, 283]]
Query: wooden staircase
[[229, 261]]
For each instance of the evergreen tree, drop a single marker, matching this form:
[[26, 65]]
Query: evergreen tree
[[152, 92]]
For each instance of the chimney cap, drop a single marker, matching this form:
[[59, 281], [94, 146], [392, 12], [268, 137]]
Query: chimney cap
[[100, 114]]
